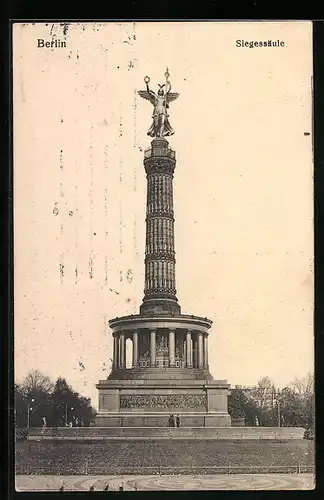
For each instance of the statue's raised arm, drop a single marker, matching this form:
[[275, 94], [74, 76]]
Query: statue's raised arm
[[170, 96], [148, 94], [160, 126]]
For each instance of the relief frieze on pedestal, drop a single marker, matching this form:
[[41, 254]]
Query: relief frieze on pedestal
[[168, 401]]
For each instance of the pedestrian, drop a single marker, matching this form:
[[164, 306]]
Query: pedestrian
[[44, 425], [62, 486], [178, 421], [170, 421]]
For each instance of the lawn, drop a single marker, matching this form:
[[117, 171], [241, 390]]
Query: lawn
[[177, 456]]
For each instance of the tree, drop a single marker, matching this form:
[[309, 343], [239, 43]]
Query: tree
[[69, 406], [236, 403], [291, 408], [304, 385], [32, 397], [251, 412], [20, 410], [304, 389], [262, 396], [36, 382], [38, 397], [241, 405]]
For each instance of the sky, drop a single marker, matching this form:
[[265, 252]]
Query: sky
[[243, 192]]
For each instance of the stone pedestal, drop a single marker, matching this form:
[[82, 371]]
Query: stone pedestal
[[149, 403], [165, 377]]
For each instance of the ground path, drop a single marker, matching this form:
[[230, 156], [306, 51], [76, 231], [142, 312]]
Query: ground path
[[203, 482]]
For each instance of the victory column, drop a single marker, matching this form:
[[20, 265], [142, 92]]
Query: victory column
[[170, 370]]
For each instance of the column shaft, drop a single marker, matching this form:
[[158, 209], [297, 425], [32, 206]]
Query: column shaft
[[189, 350], [183, 352], [171, 348], [115, 354], [206, 351], [195, 351], [159, 258], [135, 349], [200, 350], [118, 350], [153, 348], [122, 347]]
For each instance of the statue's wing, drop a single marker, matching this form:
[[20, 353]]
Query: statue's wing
[[146, 95], [172, 96]]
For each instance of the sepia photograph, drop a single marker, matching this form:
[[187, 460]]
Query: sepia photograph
[[163, 255]]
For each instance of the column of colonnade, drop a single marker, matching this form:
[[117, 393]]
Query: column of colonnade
[[199, 339]]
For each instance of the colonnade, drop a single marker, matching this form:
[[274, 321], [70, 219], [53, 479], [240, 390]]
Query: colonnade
[[195, 348]]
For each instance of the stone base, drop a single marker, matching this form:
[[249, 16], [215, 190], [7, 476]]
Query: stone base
[[149, 403], [147, 420], [238, 422], [166, 433], [160, 305]]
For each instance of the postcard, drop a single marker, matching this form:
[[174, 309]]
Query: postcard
[[163, 255]]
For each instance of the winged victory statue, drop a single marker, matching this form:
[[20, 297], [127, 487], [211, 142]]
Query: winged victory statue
[[160, 126]]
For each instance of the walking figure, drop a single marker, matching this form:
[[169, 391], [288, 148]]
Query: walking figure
[[178, 421]]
